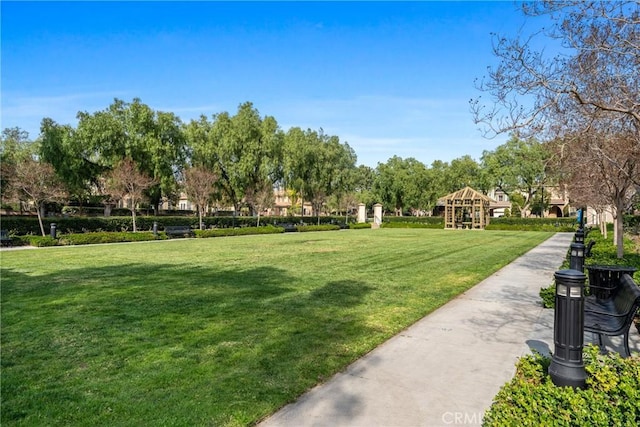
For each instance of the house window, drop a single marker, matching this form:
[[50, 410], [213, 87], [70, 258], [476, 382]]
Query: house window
[[500, 198], [183, 206]]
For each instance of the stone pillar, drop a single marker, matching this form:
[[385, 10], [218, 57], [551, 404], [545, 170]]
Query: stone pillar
[[362, 213], [377, 215]]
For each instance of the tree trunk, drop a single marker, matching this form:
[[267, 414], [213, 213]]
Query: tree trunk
[[133, 217], [619, 229], [200, 209], [39, 211]]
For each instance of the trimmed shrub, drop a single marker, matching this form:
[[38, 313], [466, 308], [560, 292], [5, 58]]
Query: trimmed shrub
[[305, 228], [413, 222], [220, 232], [411, 225], [37, 241], [532, 224], [21, 225], [360, 226], [612, 396], [107, 237]]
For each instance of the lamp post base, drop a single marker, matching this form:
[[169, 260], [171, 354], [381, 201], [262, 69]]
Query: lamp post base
[[565, 374]]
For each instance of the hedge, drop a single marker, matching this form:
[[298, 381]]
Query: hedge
[[24, 225], [21, 225], [108, 237], [436, 221], [220, 232], [533, 224], [612, 396], [305, 228]]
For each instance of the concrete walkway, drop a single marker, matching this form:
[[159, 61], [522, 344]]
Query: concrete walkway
[[445, 369]]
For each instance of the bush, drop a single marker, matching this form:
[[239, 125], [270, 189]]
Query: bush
[[305, 228], [107, 237], [532, 224], [220, 232], [21, 225], [612, 396], [37, 241], [413, 222], [360, 226], [411, 225], [631, 224]]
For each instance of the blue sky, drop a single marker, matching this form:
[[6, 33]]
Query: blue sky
[[388, 78]]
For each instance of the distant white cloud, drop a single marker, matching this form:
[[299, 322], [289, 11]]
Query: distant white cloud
[[27, 111], [379, 127]]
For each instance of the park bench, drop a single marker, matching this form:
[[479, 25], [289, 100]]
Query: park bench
[[288, 227], [5, 240], [587, 249], [613, 316], [178, 230]]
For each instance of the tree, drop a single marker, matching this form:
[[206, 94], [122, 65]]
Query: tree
[[317, 166], [585, 99], [260, 197], [595, 70], [598, 180], [36, 182], [199, 185], [153, 140], [15, 146], [243, 150], [402, 184], [518, 166], [126, 183], [462, 172], [74, 161]]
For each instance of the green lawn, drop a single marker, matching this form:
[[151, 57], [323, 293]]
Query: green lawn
[[219, 331]]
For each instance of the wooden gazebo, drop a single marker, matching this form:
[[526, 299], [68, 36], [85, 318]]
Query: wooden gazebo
[[466, 208]]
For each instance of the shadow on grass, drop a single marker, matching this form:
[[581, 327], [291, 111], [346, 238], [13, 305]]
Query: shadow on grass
[[225, 346]]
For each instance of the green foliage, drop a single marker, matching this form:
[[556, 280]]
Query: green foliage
[[107, 237], [631, 224], [245, 231], [434, 222], [518, 167], [612, 396], [316, 166], [532, 224], [305, 228], [415, 219], [548, 296], [399, 183], [34, 240], [360, 226], [243, 151], [410, 225], [20, 225]]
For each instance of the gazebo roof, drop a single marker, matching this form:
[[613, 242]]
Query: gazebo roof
[[467, 193]]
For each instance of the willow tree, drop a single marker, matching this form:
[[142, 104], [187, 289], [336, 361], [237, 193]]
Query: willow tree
[[243, 150]]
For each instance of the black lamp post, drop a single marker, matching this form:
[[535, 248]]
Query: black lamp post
[[567, 366], [579, 237], [576, 260], [53, 231]]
